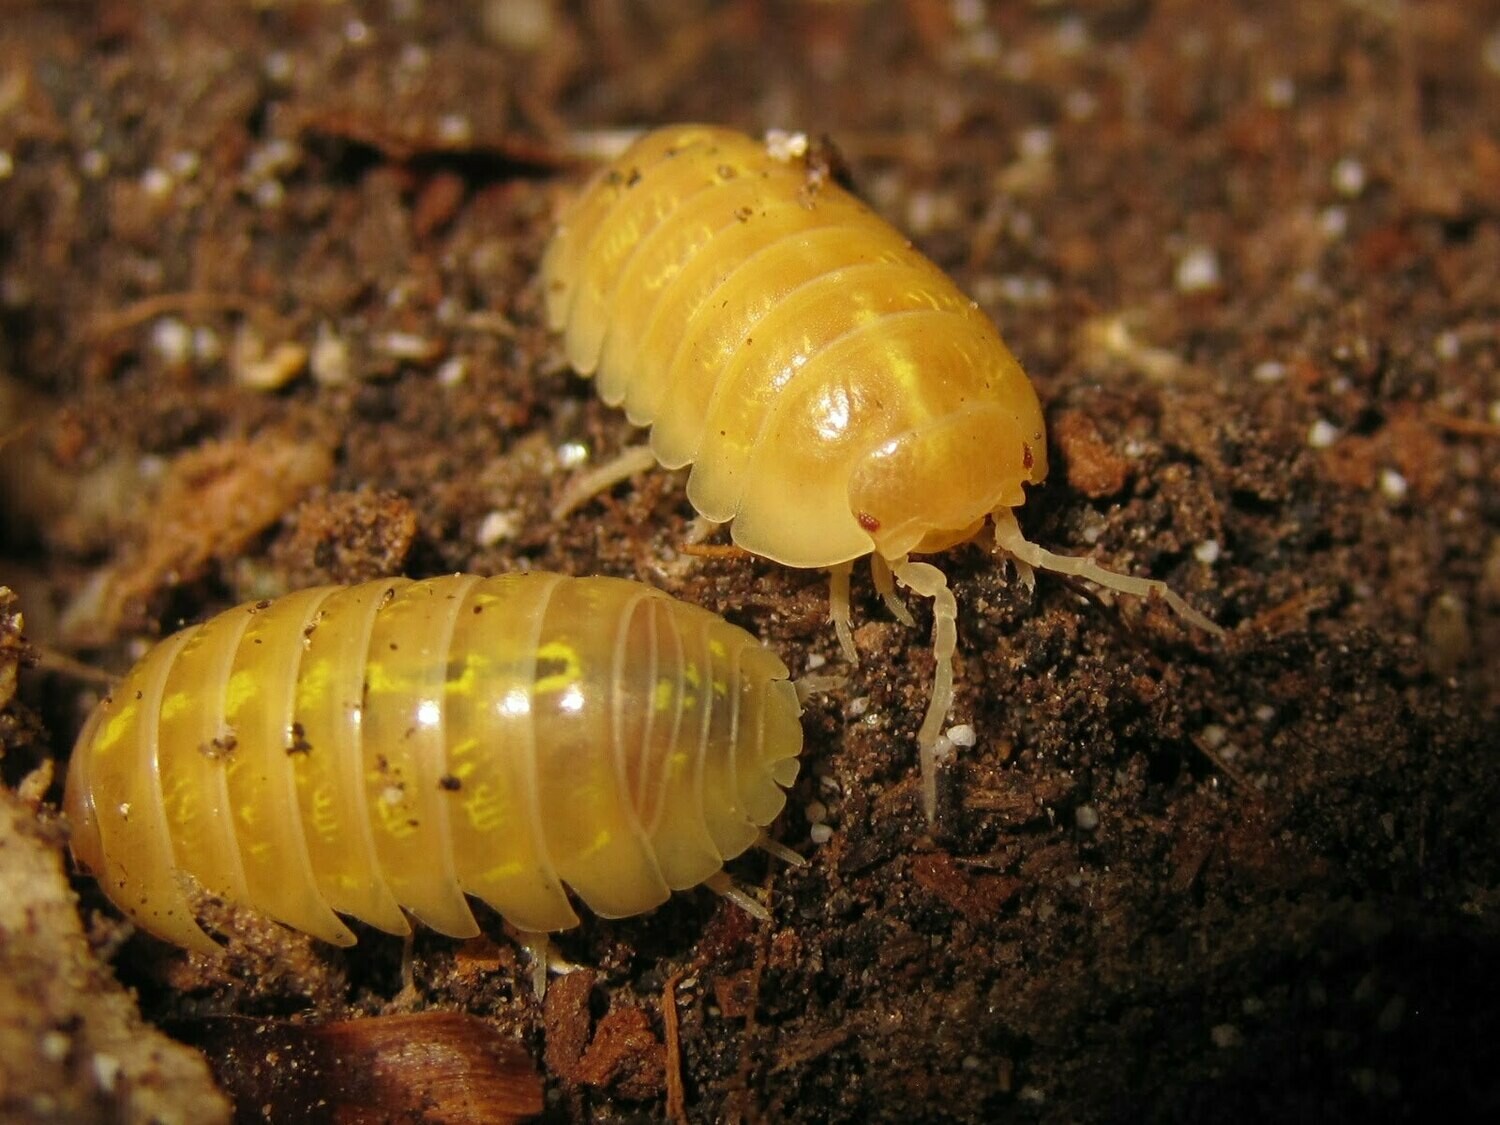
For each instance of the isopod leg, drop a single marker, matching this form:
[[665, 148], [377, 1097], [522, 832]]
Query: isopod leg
[[721, 884], [544, 958], [838, 609], [928, 581], [779, 850], [1009, 538], [601, 478], [885, 586]]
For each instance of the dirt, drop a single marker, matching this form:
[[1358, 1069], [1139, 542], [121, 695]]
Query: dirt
[[1250, 256]]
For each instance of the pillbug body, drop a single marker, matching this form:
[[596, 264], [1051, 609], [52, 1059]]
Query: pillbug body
[[835, 393], [393, 746]]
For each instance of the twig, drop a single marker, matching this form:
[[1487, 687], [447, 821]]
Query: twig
[[676, 1098], [149, 308]]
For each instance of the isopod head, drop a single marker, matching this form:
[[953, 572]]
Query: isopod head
[[982, 455]]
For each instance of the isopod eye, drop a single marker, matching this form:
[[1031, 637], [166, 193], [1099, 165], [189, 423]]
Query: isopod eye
[[934, 486]]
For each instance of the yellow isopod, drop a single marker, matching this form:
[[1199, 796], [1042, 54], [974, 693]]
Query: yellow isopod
[[394, 746], [835, 393]]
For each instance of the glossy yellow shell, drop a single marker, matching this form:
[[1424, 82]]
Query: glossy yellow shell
[[834, 391], [396, 745]]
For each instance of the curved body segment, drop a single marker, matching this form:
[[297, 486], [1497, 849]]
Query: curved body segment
[[835, 393], [790, 345], [393, 747]]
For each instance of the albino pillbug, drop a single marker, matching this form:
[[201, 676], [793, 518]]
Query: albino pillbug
[[396, 745], [835, 393]]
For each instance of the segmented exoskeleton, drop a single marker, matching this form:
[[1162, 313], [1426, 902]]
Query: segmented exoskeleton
[[393, 746], [836, 394]]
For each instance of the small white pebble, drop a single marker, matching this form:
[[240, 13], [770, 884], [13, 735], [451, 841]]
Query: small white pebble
[[55, 1045], [1207, 552], [784, 146], [1322, 434], [1036, 143], [172, 340], [1349, 177], [1269, 371], [816, 812], [271, 159], [571, 454], [820, 833], [1086, 817], [185, 163], [1226, 1035], [1214, 736], [1080, 104], [7, 164], [408, 345], [970, 1062], [329, 359], [356, 32], [962, 735], [106, 1072], [452, 371], [1264, 713], [455, 129], [1447, 346], [1072, 36], [496, 527], [1018, 289], [277, 66], [268, 195], [156, 183], [207, 345], [1198, 270], [414, 58], [816, 660], [1278, 91], [1334, 221], [1034, 1095], [124, 810], [859, 705], [1393, 485], [93, 164]]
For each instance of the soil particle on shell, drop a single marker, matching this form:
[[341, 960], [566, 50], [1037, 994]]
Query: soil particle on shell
[[1250, 259]]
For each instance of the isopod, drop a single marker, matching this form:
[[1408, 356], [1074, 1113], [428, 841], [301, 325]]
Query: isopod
[[835, 392], [393, 746]]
